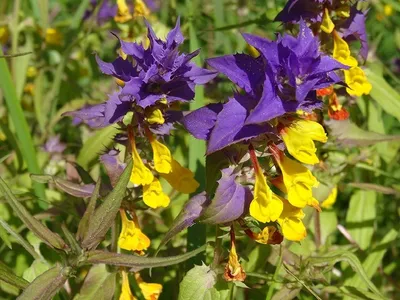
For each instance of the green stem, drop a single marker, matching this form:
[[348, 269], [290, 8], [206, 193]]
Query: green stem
[[276, 273]]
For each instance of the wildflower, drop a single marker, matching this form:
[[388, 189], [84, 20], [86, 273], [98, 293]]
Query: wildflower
[[299, 139], [269, 235], [53, 37], [341, 51], [31, 72], [123, 14], [233, 269], [131, 237], [29, 88], [357, 82], [54, 146], [126, 293], [297, 181], [153, 195], [150, 291], [327, 24], [388, 10], [331, 199], [335, 110], [3, 34], [291, 223], [181, 178], [266, 206], [141, 9]]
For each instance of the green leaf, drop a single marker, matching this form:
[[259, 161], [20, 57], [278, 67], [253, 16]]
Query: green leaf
[[137, 263], [386, 96], [104, 216], [19, 239], [361, 216], [37, 268], [373, 260], [344, 255], [348, 134], [50, 238], [4, 235], [46, 285], [98, 284], [196, 283], [20, 123], [7, 275], [85, 221], [358, 293], [95, 145]]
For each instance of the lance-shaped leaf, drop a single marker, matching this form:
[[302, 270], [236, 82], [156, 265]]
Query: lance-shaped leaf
[[45, 286], [98, 284], [231, 200], [104, 216], [7, 275], [71, 188], [85, 221], [137, 263], [348, 134], [190, 212], [50, 238]]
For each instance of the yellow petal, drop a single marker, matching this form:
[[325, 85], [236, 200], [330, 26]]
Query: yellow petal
[[331, 199], [3, 34], [388, 10], [150, 291], [181, 178], [126, 293], [153, 195], [298, 182], [131, 237], [327, 24], [161, 156], [357, 81], [343, 11], [123, 14], [341, 51], [140, 173], [299, 140], [265, 206], [141, 9], [291, 223], [155, 117]]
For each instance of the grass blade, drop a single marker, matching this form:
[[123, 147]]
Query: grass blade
[[21, 126]]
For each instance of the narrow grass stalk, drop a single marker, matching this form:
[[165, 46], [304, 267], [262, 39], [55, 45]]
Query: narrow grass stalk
[[21, 126]]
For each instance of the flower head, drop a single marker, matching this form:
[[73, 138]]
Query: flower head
[[131, 237], [153, 80]]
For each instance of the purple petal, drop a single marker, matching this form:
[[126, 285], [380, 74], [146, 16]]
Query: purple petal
[[113, 166], [243, 70], [229, 202], [200, 122], [119, 68], [199, 75], [175, 36]]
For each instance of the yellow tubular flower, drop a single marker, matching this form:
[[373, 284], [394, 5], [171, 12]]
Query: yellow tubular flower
[[341, 51], [233, 269], [153, 195], [140, 173], [53, 36], [3, 34], [123, 14], [331, 199], [181, 178], [357, 81], [161, 156], [327, 24], [297, 183], [155, 117], [131, 237], [141, 9], [265, 206], [299, 139], [291, 223], [150, 291], [126, 293]]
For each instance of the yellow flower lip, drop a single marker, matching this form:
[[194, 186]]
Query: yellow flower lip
[[327, 24], [131, 236]]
